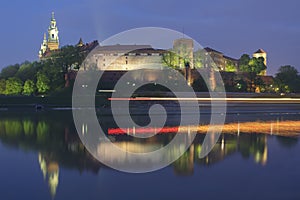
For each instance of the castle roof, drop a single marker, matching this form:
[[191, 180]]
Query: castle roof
[[88, 46], [230, 58], [121, 48], [149, 51], [260, 51], [208, 49]]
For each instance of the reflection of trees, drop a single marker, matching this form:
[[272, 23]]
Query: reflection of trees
[[255, 145], [13, 128], [42, 130], [29, 127], [287, 141], [54, 136], [185, 164]]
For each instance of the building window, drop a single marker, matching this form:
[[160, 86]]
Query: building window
[[52, 36]]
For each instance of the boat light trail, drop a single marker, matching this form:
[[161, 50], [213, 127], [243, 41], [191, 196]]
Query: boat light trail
[[201, 99]]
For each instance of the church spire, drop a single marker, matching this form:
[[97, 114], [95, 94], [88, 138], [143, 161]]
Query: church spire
[[53, 18], [44, 47], [53, 39], [80, 43], [45, 39]]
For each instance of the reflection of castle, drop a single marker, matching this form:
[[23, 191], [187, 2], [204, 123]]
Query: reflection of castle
[[50, 172], [255, 145]]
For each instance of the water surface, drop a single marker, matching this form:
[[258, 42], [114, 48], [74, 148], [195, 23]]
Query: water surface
[[42, 157]]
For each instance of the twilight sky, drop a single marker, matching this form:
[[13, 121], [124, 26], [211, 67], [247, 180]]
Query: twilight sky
[[233, 27]]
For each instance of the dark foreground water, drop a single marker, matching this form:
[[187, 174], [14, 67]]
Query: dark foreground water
[[41, 157]]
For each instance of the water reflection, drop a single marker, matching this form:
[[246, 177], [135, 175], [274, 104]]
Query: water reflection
[[54, 138], [50, 171]]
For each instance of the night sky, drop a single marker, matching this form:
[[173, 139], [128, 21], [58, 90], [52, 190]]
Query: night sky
[[233, 27]]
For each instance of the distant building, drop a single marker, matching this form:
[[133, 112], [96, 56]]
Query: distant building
[[52, 43], [86, 48], [260, 53], [216, 59]]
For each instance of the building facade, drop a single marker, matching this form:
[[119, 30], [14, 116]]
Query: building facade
[[217, 60], [125, 58]]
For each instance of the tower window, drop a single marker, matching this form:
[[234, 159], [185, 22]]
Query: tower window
[[52, 36]]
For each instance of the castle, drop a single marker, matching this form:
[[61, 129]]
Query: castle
[[131, 57], [118, 59]]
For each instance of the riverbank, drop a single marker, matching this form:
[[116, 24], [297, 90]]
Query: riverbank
[[103, 100], [30, 102]]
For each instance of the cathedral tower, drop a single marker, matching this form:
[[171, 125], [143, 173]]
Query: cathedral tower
[[44, 47], [53, 40]]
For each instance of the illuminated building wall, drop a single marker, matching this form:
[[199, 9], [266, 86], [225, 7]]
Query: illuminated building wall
[[216, 59], [127, 57]]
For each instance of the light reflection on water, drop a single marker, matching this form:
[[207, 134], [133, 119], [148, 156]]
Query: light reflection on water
[[52, 139]]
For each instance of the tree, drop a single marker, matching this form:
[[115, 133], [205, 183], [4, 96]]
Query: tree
[[252, 66], [170, 59], [256, 65], [43, 83], [29, 87], [287, 79], [14, 86], [67, 56], [198, 59], [26, 71], [9, 71], [244, 63], [230, 67], [2, 86]]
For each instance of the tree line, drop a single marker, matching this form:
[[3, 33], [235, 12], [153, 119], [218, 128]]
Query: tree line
[[40, 77]]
